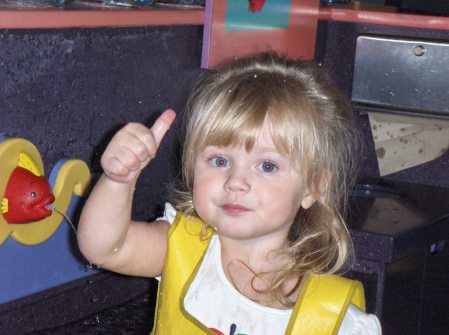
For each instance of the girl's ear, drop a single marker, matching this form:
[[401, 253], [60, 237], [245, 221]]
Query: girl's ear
[[308, 200], [322, 185]]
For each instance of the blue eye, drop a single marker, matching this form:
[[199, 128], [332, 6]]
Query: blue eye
[[267, 166], [220, 162]]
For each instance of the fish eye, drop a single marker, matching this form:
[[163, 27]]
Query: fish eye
[[33, 194], [267, 166]]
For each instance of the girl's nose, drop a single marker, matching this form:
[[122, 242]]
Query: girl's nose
[[237, 181]]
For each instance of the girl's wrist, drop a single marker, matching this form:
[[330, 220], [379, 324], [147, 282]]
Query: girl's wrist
[[115, 185]]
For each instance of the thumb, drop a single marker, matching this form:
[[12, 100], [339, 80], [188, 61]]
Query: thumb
[[162, 124]]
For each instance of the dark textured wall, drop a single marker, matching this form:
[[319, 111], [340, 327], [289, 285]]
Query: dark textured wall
[[68, 91]]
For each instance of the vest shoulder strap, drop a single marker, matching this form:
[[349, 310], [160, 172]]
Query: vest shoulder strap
[[323, 303], [185, 251]]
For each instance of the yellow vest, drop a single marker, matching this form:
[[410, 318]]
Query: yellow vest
[[319, 310]]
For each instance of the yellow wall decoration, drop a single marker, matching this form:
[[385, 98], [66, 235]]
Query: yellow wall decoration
[[73, 178]]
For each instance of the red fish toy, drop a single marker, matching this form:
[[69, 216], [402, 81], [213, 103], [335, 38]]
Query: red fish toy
[[27, 197], [255, 5]]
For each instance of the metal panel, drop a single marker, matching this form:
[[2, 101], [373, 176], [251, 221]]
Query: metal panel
[[402, 75]]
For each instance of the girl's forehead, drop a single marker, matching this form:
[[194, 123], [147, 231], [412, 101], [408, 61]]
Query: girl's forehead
[[264, 138]]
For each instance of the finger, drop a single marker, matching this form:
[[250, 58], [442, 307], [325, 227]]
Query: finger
[[139, 147], [128, 158], [113, 168], [162, 124], [132, 144]]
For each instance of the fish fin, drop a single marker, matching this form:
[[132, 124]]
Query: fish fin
[[4, 207], [26, 162]]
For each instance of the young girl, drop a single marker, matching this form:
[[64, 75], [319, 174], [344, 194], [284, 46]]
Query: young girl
[[258, 231]]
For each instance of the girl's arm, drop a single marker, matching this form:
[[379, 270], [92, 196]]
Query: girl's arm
[[106, 235]]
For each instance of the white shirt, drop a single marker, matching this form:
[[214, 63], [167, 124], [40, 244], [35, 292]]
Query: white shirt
[[214, 301]]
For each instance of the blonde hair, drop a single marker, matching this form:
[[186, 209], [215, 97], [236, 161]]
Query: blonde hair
[[310, 122]]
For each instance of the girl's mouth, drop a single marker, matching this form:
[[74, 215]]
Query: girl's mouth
[[234, 209]]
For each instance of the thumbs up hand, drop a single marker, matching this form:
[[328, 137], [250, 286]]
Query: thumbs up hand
[[133, 147]]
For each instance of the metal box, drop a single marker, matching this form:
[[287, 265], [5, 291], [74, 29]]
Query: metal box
[[407, 76]]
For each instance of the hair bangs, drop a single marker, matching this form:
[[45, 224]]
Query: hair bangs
[[237, 121], [291, 130]]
